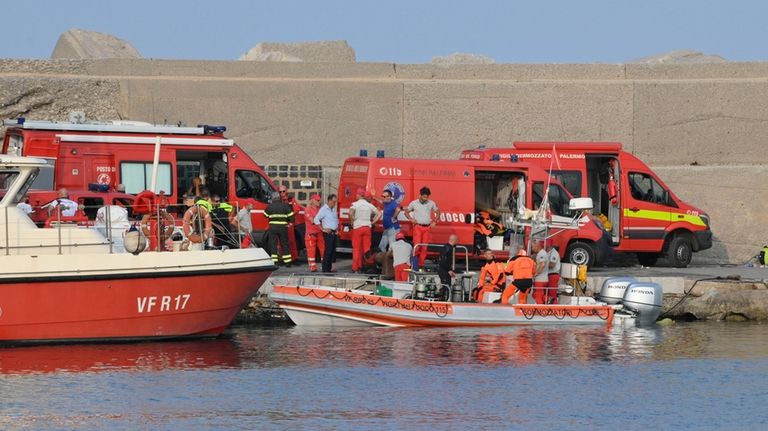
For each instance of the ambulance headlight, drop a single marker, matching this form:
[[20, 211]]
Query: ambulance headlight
[[705, 219]]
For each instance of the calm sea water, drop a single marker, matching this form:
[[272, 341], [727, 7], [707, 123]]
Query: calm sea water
[[702, 376]]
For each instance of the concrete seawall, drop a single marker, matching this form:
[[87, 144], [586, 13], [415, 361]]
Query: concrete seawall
[[701, 127]]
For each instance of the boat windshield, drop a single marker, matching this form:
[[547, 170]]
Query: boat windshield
[[7, 180]]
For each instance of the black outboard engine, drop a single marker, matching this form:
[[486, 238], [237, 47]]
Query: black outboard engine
[[644, 298], [612, 291]]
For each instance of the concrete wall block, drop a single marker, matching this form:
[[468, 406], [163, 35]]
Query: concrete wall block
[[735, 199], [53, 98], [441, 119], [210, 69], [729, 70], [512, 72], [682, 122]]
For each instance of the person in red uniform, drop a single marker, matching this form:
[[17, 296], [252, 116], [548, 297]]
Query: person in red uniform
[[423, 214], [313, 237], [521, 268], [363, 216], [492, 277]]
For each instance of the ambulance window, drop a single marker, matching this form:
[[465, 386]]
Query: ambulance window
[[250, 184], [643, 187], [558, 199], [571, 180], [137, 177]]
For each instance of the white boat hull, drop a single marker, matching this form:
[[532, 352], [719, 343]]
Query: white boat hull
[[336, 307]]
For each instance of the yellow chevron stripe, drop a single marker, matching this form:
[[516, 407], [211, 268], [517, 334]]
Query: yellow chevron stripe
[[667, 216]]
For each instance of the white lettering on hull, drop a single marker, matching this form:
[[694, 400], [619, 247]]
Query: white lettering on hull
[[146, 304]]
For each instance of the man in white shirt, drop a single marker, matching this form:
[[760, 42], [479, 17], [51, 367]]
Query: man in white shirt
[[25, 206], [554, 274], [423, 214], [401, 257], [68, 206], [363, 215], [541, 273]]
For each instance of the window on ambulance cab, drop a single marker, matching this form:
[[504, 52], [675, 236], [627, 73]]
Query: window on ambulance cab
[[558, 199], [645, 188], [571, 180], [137, 177], [250, 184]]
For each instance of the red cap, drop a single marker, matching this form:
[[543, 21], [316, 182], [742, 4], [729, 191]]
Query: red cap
[[400, 235], [368, 195], [315, 197], [360, 191], [250, 201]]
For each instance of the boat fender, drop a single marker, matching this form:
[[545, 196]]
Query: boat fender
[[134, 242]]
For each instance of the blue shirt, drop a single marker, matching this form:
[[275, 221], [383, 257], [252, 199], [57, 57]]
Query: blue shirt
[[389, 211], [327, 218]]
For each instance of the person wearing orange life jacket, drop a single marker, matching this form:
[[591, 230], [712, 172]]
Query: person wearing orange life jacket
[[521, 268], [492, 277], [313, 236]]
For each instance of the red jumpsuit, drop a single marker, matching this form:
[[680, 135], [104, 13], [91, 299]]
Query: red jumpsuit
[[313, 238], [492, 278], [522, 269]]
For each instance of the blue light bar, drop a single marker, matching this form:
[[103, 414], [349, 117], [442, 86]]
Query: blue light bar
[[495, 158], [363, 152], [379, 154]]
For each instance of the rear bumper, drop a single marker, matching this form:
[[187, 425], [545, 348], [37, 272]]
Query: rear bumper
[[703, 239]]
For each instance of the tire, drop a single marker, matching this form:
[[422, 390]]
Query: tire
[[648, 259], [680, 251], [581, 253]]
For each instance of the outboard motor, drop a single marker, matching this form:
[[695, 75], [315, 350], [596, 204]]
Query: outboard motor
[[614, 288], [644, 298]]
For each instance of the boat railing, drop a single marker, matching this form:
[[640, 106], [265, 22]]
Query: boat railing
[[343, 282], [111, 223]]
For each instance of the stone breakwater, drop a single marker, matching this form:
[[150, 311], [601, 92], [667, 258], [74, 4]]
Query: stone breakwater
[[701, 127]]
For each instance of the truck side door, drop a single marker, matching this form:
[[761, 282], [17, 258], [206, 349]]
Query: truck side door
[[250, 184], [647, 213]]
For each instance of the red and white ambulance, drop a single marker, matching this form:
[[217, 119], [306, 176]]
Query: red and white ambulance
[[464, 189], [639, 211], [122, 152]]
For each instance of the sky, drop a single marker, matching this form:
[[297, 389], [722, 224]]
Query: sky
[[402, 31]]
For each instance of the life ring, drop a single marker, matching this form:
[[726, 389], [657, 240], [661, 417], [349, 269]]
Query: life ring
[[191, 218], [168, 223]]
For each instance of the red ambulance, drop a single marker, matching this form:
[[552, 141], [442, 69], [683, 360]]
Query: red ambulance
[[109, 153], [639, 211], [464, 189]]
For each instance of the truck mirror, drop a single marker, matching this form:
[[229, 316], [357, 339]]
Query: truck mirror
[[580, 204]]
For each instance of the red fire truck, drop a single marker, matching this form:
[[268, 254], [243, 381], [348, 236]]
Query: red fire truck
[[639, 211], [465, 189], [122, 152]]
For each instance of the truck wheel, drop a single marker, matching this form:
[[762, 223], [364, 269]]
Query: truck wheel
[[580, 253], [680, 251], [648, 259]]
